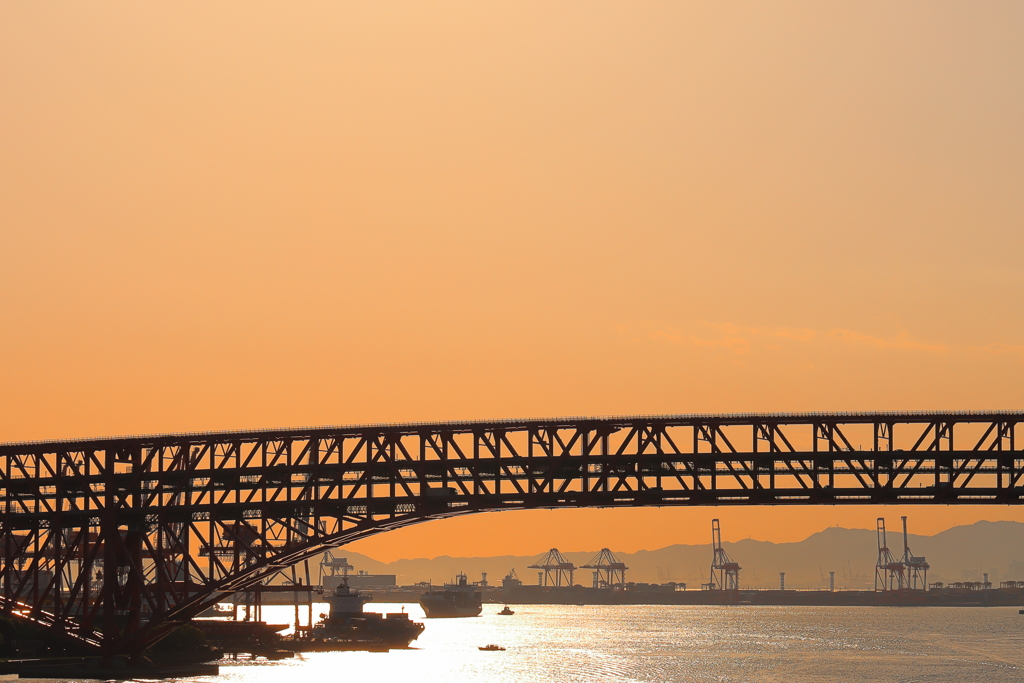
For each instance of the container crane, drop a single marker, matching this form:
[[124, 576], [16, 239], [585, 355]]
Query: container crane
[[916, 577], [725, 572], [558, 570], [609, 571], [889, 573]]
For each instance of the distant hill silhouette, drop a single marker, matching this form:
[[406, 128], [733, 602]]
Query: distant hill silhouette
[[957, 554]]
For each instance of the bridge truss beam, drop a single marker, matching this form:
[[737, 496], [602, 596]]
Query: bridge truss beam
[[115, 541]]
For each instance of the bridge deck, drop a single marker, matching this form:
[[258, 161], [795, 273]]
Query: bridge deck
[[113, 539]]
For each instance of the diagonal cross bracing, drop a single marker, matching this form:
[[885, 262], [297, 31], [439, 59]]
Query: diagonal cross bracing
[[112, 541]]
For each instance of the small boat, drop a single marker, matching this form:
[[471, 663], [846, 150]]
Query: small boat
[[506, 611], [491, 648]]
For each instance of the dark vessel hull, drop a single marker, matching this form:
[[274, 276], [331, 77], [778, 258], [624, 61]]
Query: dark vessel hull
[[447, 604], [459, 599], [255, 637], [368, 632]]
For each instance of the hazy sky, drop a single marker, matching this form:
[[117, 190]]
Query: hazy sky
[[237, 215]]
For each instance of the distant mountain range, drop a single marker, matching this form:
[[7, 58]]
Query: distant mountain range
[[962, 553]]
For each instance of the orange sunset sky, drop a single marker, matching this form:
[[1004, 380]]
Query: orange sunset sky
[[221, 215]]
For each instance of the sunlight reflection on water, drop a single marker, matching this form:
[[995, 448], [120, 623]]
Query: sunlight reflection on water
[[676, 643]]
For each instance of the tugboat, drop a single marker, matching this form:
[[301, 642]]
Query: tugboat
[[348, 627], [459, 599], [506, 612]]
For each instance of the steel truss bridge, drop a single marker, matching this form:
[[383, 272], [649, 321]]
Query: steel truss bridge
[[114, 542]]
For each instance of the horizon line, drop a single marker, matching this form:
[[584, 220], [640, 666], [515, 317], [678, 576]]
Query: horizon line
[[690, 545]]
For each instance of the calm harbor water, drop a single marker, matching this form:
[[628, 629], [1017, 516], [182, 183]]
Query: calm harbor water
[[677, 643]]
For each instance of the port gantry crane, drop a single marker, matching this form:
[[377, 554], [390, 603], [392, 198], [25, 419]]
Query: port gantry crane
[[725, 572], [609, 571], [890, 574], [333, 571], [558, 570], [916, 567]]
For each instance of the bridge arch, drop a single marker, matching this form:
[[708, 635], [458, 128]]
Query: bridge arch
[[114, 541]]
